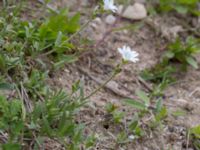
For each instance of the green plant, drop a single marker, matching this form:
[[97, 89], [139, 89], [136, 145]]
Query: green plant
[[11, 118], [55, 31], [30, 40], [176, 58], [145, 108], [135, 128], [53, 118], [117, 115], [183, 52], [161, 75], [36, 112], [130, 132], [180, 6], [144, 105], [194, 133]]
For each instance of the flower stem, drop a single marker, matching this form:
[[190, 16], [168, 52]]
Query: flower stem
[[116, 71]]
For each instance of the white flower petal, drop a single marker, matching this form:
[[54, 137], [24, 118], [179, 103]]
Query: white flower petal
[[128, 54], [131, 137], [109, 5]]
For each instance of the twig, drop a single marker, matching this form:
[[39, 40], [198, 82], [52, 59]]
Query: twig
[[142, 81], [24, 96], [39, 95], [187, 140], [3, 137]]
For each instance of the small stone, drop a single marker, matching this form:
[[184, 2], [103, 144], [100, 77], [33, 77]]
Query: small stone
[[96, 23], [97, 20], [110, 19], [66, 70], [125, 31], [135, 12]]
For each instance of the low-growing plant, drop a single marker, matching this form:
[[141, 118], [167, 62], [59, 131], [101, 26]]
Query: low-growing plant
[[178, 56], [145, 107], [131, 132], [36, 113], [52, 118], [180, 6], [117, 116], [194, 134], [183, 52]]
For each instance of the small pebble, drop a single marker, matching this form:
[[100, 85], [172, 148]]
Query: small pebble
[[110, 19], [135, 12]]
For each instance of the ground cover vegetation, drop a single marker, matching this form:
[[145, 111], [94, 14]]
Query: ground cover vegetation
[[33, 112]]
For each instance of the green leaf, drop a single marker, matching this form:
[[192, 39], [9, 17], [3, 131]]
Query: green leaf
[[138, 131], [181, 9], [65, 59], [90, 141], [59, 39], [2, 63], [46, 128], [159, 105], [27, 32], [133, 125], [6, 86], [195, 131], [74, 25], [11, 146], [192, 62], [143, 96], [161, 115], [169, 54], [135, 104], [179, 112]]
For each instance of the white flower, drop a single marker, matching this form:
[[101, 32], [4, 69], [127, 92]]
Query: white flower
[[109, 5], [131, 137], [128, 54]]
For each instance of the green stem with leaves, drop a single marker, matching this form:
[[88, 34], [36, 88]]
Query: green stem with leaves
[[72, 36]]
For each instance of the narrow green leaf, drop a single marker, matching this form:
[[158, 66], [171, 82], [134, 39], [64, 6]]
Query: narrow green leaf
[[159, 105], [162, 114], [65, 59], [169, 54], [179, 112], [143, 96], [135, 104], [181, 9], [195, 131], [11, 146], [2, 63], [192, 62], [6, 86], [58, 39]]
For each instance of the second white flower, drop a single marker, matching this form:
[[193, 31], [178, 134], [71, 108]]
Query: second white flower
[[109, 5]]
